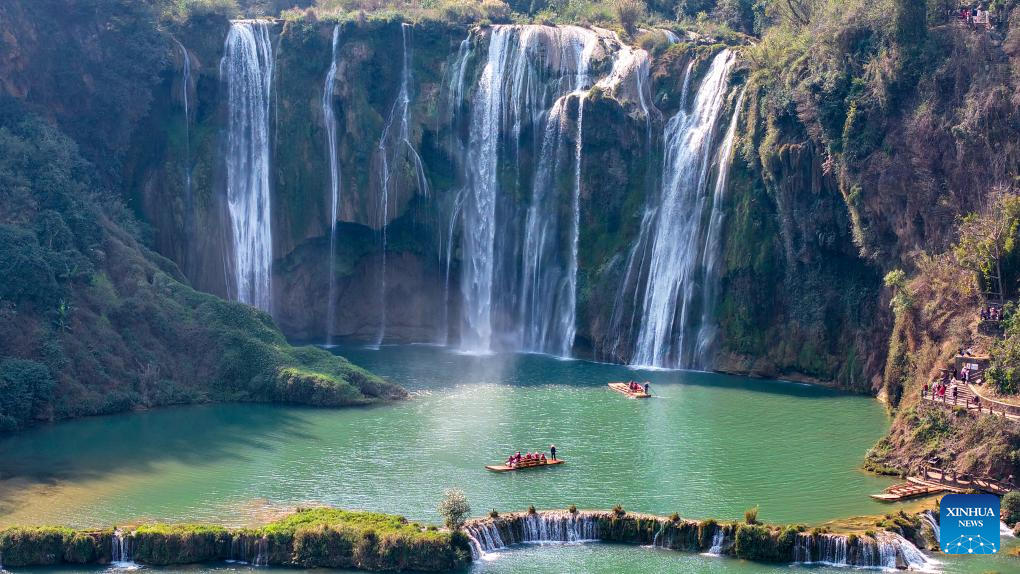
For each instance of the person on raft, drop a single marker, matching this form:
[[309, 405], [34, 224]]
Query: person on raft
[[552, 451], [647, 386]]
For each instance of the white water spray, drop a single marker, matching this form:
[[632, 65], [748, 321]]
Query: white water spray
[[247, 68], [329, 117], [529, 75], [675, 230]]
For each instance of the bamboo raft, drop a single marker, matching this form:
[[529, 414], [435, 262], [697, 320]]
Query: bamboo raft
[[624, 389], [907, 490], [524, 465]]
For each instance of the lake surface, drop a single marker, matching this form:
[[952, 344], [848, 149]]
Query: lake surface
[[706, 445]]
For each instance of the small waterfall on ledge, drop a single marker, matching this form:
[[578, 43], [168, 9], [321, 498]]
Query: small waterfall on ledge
[[931, 520], [395, 146], [247, 68], [249, 550], [120, 550], [329, 117], [550, 527], [886, 550], [1005, 530], [718, 541], [675, 237]]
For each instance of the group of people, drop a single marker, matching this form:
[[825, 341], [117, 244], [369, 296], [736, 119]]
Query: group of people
[[938, 390], [637, 388], [991, 313], [947, 387], [515, 460]]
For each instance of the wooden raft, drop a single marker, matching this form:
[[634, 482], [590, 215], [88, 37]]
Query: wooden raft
[[524, 465], [623, 388], [907, 490]]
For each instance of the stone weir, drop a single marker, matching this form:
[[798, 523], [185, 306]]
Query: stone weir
[[757, 542]]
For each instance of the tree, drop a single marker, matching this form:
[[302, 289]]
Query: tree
[[987, 237], [1010, 512], [454, 508]]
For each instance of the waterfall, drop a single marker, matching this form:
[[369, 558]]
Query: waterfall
[[329, 117], [675, 236], [396, 140], [523, 287], [718, 541], [186, 81], [625, 308], [670, 35], [885, 550], [455, 103], [249, 549], [548, 527], [713, 242], [931, 520], [120, 549], [247, 68]]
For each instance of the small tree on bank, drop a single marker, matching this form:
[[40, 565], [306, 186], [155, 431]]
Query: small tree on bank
[[454, 508], [1010, 512], [987, 237]]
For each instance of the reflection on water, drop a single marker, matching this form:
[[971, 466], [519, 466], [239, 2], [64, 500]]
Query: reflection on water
[[706, 445]]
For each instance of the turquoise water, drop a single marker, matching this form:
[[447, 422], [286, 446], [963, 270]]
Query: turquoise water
[[707, 445]]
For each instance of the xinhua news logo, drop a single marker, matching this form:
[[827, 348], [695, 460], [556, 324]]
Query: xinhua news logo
[[969, 524]]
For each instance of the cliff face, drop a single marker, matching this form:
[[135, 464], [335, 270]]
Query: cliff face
[[786, 239], [819, 201]]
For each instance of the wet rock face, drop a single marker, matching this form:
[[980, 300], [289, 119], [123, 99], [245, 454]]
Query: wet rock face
[[783, 222], [413, 289]]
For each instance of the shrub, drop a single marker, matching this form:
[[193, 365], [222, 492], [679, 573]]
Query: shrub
[[751, 515], [572, 509], [493, 513], [531, 509], [675, 517], [629, 13], [1010, 512], [454, 508], [618, 510]]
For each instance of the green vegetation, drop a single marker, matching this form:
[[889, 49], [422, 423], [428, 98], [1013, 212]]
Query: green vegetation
[[318, 537], [96, 323], [454, 508], [751, 515], [1010, 510]]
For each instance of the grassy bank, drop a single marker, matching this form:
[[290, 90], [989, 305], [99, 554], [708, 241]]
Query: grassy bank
[[309, 538]]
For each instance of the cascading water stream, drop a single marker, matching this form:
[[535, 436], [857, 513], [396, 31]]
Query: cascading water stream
[[396, 140], [675, 232], [329, 117], [247, 68], [186, 81], [713, 242], [120, 550], [931, 520], [718, 541], [455, 103], [524, 289]]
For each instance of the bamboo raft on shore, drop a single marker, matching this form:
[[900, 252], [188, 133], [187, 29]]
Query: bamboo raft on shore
[[625, 389], [907, 490], [523, 465]]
